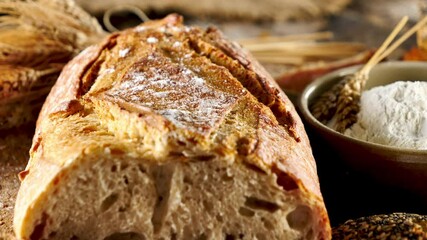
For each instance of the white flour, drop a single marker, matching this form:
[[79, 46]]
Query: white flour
[[394, 115]]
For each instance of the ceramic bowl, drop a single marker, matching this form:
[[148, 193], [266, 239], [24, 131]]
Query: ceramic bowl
[[392, 165]]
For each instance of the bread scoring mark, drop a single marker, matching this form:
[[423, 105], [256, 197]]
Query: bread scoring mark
[[175, 92], [92, 70], [231, 56], [256, 203], [67, 108], [167, 76]]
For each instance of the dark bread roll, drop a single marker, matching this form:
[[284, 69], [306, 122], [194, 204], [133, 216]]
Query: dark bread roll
[[384, 226]]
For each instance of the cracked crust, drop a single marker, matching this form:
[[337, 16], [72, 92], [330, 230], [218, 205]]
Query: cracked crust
[[166, 95]]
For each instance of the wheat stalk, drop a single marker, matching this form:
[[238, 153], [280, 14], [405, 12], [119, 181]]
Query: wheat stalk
[[298, 49], [326, 105], [345, 106], [37, 38], [349, 97], [316, 36], [32, 30]]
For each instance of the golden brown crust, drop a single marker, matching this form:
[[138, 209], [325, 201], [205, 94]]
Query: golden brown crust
[[279, 103], [68, 84], [183, 85]]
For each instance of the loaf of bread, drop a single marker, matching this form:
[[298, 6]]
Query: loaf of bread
[[169, 132]]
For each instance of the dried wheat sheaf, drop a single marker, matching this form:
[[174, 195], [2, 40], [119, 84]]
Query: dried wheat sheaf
[[37, 38], [340, 105]]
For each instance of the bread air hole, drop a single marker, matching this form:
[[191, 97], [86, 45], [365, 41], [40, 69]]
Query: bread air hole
[[204, 158], [188, 180], [109, 201], [126, 179], [285, 180], [123, 166], [209, 206], [233, 237], [227, 177], [163, 181], [39, 228], [126, 236], [300, 218], [246, 212], [142, 169], [229, 237], [267, 224], [259, 204], [202, 237]]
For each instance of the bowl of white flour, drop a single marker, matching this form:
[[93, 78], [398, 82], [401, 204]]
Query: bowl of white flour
[[389, 139]]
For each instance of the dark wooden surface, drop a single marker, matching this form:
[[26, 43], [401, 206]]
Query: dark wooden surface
[[14, 146], [349, 194]]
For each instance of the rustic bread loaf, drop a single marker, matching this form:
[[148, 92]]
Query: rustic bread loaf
[[169, 132]]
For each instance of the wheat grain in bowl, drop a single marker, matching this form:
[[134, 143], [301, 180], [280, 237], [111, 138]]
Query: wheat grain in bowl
[[392, 165]]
